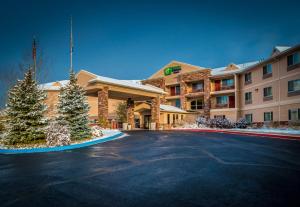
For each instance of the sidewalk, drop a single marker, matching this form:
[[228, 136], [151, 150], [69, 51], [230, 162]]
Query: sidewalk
[[247, 133]]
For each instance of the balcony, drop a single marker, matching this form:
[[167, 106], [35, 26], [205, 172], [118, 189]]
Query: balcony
[[223, 88]]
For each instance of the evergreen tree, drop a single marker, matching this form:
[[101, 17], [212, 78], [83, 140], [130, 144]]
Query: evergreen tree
[[25, 111], [73, 109]]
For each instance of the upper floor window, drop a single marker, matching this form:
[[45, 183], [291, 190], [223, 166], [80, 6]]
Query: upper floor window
[[268, 94], [222, 100], [294, 87], [268, 116], [267, 71], [293, 59], [197, 87], [175, 90], [197, 104], [248, 97], [248, 78], [227, 82]]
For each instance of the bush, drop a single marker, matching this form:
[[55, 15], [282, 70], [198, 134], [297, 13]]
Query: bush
[[57, 135], [201, 121], [241, 123], [96, 131], [220, 123]]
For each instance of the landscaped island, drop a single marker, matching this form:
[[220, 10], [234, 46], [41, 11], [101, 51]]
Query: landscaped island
[[24, 126]]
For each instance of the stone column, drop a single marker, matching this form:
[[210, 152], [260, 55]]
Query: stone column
[[155, 111], [183, 91], [130, 112], [103, 107], [207, 104]]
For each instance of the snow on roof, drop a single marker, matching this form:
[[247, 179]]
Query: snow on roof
[[241, 67], [52, 87], [282, 48], [171, 108], [129, 84]]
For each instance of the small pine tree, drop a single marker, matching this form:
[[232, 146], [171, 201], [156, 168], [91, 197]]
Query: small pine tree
[[25, 119], [122, 112], [73, 109]]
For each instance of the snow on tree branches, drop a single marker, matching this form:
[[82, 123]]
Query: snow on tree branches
[[25, 119], [73, 109]]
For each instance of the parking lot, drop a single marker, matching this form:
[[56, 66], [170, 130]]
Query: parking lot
[[151, 168]]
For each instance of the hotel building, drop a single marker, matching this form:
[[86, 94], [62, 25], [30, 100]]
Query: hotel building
[[265, 91]]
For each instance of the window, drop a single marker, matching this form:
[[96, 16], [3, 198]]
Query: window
[[177, 103], [173, 118], [168, 118], [248, 118], [197, 104], [248, 97], [175, 90], [293, 59], [181, 117], [267, 71], [222, 100], [197, 87], [268, 93], [227, 82], [248, 78], [294, 85], [294, 114], [268, 116], [176, 116], [219, 116]]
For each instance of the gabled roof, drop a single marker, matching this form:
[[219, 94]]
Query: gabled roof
[[225, 70], [127, 83], [54, 86], [171, 108], [281, 48]]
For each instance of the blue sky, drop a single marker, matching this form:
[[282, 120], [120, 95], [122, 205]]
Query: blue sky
[[133, 39]]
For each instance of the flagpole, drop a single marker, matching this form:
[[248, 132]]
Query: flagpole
[[34, 56], [71, 45]]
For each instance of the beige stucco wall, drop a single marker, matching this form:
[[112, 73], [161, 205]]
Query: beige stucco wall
[[229, 113], [281, 102]]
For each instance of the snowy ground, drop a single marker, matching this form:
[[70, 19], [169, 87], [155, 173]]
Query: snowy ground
[[106, 133], [260, 130], [272, 130]]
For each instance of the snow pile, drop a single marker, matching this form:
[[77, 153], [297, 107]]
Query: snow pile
[[57, 135], [96, 131], [274, 130]]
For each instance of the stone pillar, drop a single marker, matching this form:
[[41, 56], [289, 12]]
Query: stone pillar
[[155, 111], [183, 91], [207, 104], [130, 113], [103, 107]]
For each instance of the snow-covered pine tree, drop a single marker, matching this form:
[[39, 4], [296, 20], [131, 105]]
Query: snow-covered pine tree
[[25, 119], [73, 109]]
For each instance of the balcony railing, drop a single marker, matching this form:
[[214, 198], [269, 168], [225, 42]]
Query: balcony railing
[[195, 90], [224, 88]]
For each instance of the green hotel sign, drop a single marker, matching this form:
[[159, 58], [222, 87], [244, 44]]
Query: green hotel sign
[[171, 70]]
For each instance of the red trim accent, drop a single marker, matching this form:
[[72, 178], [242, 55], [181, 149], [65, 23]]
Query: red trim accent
[[276, 136]]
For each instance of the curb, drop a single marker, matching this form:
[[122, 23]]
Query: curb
[[62, 148], [275, 136]]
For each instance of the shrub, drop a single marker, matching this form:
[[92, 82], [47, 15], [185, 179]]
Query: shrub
[[96, 131], [57, 135], [220, 123], [201, 121], [241, 123]]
